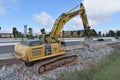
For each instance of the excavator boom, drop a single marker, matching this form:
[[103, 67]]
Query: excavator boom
[[65, 17], [47, 53]]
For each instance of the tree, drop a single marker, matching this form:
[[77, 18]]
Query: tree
[[103, 35], [99, 33], [107, 35], [63, 33], [72, 33], [118, 33], [93, 32], [19, 34], [78, 32], [30, 32], [43, 31], [15, 32], [111, 33]]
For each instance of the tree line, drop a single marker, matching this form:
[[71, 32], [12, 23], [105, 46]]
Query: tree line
[[18, 34], [110, 33]]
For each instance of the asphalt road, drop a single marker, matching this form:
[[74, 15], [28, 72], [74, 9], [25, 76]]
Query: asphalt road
[[6, 49], [10, 48]]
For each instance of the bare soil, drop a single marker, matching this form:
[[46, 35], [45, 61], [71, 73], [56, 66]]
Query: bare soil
[[8, 62]]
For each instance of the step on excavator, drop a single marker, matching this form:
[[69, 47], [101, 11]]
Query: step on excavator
[[47, 53]]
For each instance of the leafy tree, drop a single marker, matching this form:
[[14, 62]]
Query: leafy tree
[[99, 33], [63, 33], [94, 33], [43, 31], [15, 32], [72, 33], [19, 34], [30, 31], [118, 33], [107, 35], [78, 32], [111, 33], [103, 35]]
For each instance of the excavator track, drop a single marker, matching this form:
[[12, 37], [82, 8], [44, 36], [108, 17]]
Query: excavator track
[[53, 63]]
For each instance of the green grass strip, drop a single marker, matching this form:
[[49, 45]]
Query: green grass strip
[[107, 69]]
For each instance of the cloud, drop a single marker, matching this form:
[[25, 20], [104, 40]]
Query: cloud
[[115, 28], [13, 7], [44, 20], [6, 30], [1, 2], [77, 23], [74, 24], [98, 12], [2, 9], [2, 6], [101, 10]]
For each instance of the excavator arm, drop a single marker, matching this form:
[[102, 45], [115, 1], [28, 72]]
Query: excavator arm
[[47, 53], [65, 17]]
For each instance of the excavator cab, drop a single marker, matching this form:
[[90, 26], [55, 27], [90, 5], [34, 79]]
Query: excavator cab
[[44, 38]]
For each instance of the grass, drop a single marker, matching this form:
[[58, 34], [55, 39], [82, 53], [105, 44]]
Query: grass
[[111, 72], [107, 69]]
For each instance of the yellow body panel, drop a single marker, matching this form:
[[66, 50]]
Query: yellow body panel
[[21, 51], [34, 53]]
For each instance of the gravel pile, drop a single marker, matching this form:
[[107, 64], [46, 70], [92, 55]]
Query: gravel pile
[[86, 59]]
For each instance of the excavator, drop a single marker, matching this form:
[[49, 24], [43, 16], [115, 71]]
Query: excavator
[[47, 53]]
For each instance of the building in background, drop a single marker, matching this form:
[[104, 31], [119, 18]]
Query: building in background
[[6, 35], [67, 34], [25, 30]]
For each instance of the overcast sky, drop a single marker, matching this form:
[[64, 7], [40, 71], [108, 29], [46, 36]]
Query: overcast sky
[[103, 15]]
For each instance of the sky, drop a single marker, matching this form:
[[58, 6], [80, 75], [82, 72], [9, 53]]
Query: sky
[[103, 15]]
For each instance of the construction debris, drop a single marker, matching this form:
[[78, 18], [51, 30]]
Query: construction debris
[[86, 59]]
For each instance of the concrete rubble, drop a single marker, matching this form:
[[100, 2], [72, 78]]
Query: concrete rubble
[[86, 59]]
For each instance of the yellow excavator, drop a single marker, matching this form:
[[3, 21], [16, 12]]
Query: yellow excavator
[[47, 53]]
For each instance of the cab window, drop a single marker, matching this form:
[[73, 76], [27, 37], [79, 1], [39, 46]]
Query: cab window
[[46, 38]]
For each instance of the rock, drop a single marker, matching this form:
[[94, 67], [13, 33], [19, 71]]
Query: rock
[[86, 59]]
